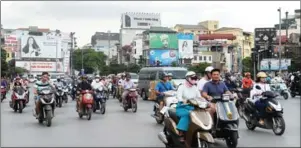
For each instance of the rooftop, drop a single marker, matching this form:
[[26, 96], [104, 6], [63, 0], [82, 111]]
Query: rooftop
[[227, 28], [39, 29], [104, 36], [200, 27], [159, 30]]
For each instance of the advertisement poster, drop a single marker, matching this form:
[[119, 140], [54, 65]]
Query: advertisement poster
[[163, 40], [165, 57], [40, 66], [273, 64], [265, 35], [140, 20], [185, 43], [10, 43], [40, 46]]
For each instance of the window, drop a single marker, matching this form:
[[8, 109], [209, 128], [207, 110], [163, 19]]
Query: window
[[205, 58], [153, 75], [215, 26], [178, 74], [7, 55], [195, 58], [200, 58], [209, 58]]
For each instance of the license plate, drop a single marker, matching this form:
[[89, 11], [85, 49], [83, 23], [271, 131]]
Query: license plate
[[163, 110]]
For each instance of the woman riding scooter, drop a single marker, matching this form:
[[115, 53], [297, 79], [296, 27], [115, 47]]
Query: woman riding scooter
[[255, 94], [184, 93]]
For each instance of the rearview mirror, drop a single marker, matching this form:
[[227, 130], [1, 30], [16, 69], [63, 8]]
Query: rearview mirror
[[258, 87]]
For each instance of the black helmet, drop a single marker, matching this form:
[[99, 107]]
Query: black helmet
[[227, 75], [163, 75], [83, 77], [127, 75]]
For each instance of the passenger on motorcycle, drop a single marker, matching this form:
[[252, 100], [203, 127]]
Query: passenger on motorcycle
[[96, 83], [127, 84], [173, 84], [43, 83], [162, 86], [83, 85], [215, 87], [206, 78], [277, 79], [185, 92], [255, 94], [247, 84], [59, 82], [229, 83], [120, 81]]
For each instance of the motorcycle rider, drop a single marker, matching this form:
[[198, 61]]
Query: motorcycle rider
[[247, 84], [229, 83], [42, 83], [173, 84], [4, 84], [96, 84], [83, 85], [127, 84], [277, 79], [185, 92], [215, 87], [161, 87], [255, 94], [206, 78]]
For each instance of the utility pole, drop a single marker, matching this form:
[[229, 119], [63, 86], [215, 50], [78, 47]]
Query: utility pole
[[71, 53], [287, 25], [279, 51], [109, 48]]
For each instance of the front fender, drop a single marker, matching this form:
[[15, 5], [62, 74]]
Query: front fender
[[206, 136], [231, 127]]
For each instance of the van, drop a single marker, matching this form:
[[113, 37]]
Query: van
[[150, 74]]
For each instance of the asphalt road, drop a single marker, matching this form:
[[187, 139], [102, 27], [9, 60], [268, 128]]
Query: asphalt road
[[118, 128]]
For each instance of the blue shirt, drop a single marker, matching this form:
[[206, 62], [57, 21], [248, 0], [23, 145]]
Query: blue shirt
[[163, 87], [215, 89]]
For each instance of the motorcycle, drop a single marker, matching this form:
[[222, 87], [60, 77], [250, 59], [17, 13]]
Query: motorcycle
[[119, 93], [59, 96], [3, 93], [47, 106], [113, 92], [19, 99], [170, 100], [226, 120], [280, 88], [65, 96], [273, 117], [70, 89], [27, 94], [198, 134], [131, 101], [74, 92], [87, 103], [239, 100], [100, 100]]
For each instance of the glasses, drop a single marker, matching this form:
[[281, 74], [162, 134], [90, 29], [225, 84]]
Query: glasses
[[194, 78]]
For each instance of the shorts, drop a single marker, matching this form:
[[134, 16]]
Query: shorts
[[159, 99]]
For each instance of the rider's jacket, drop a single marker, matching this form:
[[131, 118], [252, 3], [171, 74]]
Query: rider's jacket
[[96, 85], [163, 87], [186, 92], [41, 85], [84, 85], [127, 84], [230, 84], [255, 93]]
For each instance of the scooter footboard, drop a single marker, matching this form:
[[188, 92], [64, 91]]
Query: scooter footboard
[[226, 111]]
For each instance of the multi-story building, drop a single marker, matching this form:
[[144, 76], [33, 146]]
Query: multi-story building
[[211, 25], [195, 29]]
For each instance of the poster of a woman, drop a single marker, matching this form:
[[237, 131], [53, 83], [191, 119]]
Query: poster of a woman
[[31, 49]]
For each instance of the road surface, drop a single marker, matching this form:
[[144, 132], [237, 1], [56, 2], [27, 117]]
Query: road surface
[[118, 128]]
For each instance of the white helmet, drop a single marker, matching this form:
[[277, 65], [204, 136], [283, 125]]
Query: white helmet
[[170, 74], [97, 76], [209, 69], [190, 73]]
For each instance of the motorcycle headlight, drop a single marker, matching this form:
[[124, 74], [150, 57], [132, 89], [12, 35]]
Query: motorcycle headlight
[[88, 96]]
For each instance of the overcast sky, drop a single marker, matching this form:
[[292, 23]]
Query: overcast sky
[[85, 18]]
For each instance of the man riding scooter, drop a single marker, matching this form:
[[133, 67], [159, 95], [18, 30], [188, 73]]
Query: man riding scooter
[[206, 78], [83, 85], [17, 82], [127, 84]]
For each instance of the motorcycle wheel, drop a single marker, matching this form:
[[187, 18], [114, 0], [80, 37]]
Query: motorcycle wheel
[[60, 102], [279, 120], [89, 112], [66, 97], [250, 126], [125, 107], [20, 106], [103, 108], [16, 107], [285, 95], [80, 115], [94, 106], [203, 144], [293, 94], [48, 118], [134, 106], [232, 140]]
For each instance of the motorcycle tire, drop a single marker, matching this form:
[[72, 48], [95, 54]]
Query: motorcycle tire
[[95, 106], [103, 108], [89, 113], [15, 107], [21, 106], [285, 95], [232, 139], [60, 102], [66, 101], [48, 118], [134, 107], [282, 122], [293, 94], [250, 126], [80, 115]]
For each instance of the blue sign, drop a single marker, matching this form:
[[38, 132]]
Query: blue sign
[[165, 57], [185, 36]]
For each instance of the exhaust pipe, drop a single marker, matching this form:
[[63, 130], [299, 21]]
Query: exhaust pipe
[[162, 137]]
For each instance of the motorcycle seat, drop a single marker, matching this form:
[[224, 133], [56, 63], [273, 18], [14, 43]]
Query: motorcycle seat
[[172, 115]]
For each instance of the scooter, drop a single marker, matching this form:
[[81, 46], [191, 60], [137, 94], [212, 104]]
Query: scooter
[[3, 93], [59, 96], [27, 94], [131, 101], [47, 106], [119, 93], [226, 120], [280, 88], [198, 134], [273, 117], [65, 95], [170, 100], [19, 97], [100, 100], [87, 104]]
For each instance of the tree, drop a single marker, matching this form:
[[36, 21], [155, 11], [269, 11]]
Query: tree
[[200, 68], [133, 68], [92, 60], [174, 64], [247, 65], [4, 65]]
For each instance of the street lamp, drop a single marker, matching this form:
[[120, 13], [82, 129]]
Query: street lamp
[[279, 10]]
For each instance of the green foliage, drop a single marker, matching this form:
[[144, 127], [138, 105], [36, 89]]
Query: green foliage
[[4, 64], [200, 68], [174, 64], [247, 65], [20, 70]]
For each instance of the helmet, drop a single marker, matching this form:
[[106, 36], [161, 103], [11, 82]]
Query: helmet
[[209, 69], [163, 75], [227, 75], [83, 77], [190, 74], [170, 74], [247, 74], [261, 75], [127, 75], [97, 76]]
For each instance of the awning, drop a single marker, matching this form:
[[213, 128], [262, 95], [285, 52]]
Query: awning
[[216, 36]]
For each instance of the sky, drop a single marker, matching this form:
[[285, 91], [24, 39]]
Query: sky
[[85, 18]]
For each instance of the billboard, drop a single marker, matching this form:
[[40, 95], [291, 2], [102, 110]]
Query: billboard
[[10, 42], [163, 40], [265, 36], [46, 46], [140, 20], [273, 64], [165, 57], [185, 43], [40, 66]]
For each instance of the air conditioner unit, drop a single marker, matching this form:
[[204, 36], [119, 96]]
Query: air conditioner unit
[[33, 28]]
